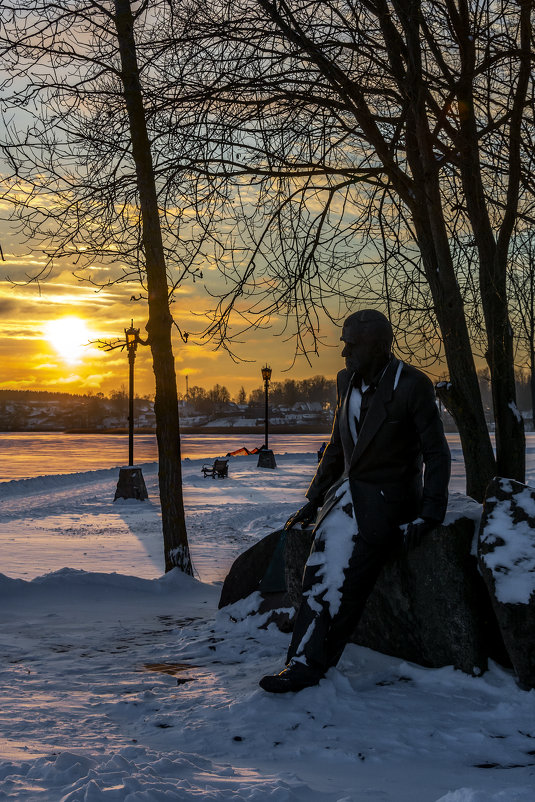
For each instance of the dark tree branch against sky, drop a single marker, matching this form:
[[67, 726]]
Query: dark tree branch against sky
[[81, 58], [379, 148], [315, 156]]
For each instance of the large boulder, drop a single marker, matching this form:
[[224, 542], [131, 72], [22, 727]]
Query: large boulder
[[248, 570], [263, 569], [430, 607], [274, 565], [506, 553]]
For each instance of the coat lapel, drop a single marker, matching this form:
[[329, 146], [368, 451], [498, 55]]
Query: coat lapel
[[377, 411]]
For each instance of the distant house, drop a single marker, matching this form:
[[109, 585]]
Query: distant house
[[308, 407]]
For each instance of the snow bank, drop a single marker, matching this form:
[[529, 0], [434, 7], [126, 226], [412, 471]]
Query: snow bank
[[78, 583], [118, 687], [51, 482], [137, 774], [472, 795]]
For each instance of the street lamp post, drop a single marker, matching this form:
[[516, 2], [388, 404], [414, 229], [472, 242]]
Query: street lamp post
[[131, 483], [266, 375], [132, 339], [266, 457]]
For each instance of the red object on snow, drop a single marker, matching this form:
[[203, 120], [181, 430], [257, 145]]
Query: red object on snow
[[242, 452]]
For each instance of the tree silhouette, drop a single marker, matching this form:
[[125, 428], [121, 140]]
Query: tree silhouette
[[376, 151], [83, 180]]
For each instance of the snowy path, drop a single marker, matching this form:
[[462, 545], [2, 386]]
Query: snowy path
[[50, 522], [91, 709]]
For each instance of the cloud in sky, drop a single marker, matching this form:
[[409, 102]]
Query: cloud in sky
[[29, 359]]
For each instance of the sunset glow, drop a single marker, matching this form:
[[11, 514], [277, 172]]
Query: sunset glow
[[69, 336]]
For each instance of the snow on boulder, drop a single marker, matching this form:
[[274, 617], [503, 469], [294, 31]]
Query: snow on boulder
[[506, 553], [248, 570], [430, 607], [260, 574]]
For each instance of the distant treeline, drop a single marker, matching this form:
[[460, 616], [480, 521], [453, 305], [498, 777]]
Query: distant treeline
[[318, 389], [22, 410], [43, 410], [54, 410], [283, 393], [39, 395]]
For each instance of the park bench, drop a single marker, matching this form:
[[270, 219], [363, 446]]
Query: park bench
[[219, 468]]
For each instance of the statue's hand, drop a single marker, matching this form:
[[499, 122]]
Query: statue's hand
[[304, 516], [415, 532]]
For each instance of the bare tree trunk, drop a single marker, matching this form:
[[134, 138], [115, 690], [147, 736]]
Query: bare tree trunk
[[532, 385], [522, 279], [159, 324], [461, 396], [412, 86], [492, 249], [510, 439], [420, 191], [531, 332], [464, 398]]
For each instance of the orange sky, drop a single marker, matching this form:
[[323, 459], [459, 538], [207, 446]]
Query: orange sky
[[30, 360]]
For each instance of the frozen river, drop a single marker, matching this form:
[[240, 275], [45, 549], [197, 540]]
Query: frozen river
[[27, 454]]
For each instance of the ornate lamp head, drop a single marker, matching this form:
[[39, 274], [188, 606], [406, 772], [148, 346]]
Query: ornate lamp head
[[132, 338], [266, 373]]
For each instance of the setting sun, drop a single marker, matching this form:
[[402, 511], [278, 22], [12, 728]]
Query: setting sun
[[68, 335]]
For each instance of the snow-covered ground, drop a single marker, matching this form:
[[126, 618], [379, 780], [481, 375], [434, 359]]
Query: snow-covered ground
[[118, 683]]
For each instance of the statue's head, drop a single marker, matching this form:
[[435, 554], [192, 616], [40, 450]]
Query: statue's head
[[368, 336]]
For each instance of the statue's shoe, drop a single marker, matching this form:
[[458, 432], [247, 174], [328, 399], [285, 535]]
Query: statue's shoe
[[294, 677]]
